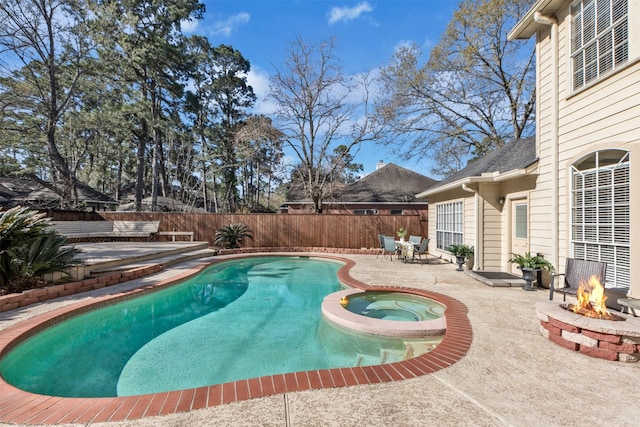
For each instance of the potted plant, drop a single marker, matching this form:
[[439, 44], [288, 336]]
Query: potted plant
[[461, 252], [401, 233], [530, 264]]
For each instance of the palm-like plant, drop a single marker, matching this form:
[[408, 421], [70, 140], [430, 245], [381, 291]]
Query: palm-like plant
[[460, 250], [531, 261], [29, 248], [232, 236]]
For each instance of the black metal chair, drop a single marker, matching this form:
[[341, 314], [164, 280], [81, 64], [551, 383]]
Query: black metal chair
[[575, 272]]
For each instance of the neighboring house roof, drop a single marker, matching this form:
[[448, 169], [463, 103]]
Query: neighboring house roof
[[164, 204], [506, 162], [388, 184], [42, 195]]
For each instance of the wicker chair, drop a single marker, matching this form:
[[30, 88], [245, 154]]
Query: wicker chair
[[575, 272]]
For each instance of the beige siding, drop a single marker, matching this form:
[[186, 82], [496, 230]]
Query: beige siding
[[493, 240], [541, 200], [606, 114]]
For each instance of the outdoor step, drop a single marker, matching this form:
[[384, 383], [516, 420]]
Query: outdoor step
[[164, 259]]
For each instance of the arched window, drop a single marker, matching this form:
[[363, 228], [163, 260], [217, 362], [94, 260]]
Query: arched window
[[600, 213]]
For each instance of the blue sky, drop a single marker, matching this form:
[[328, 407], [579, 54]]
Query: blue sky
[[366, 32]]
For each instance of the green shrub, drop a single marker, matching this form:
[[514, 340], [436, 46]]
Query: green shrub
[[29, 248], [232, 236]]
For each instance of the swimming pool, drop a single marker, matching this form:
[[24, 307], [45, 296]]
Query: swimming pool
[[236, 320]]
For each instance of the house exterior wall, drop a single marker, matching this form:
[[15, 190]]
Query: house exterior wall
[[542, 214], [493, 236], [487, 218], [604, 114], [469, 219]]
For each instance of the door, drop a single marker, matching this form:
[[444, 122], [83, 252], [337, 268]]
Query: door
[[519, 230]]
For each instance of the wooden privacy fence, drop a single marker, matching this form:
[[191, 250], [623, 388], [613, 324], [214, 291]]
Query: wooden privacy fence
[[276, 230]]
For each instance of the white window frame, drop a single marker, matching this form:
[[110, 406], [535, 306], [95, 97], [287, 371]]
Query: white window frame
[[365, 211], [600, 213], [599, 39], [449, 224]]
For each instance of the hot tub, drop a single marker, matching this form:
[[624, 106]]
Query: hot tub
[[391, 313]]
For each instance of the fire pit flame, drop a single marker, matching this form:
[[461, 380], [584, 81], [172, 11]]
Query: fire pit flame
[[591, 300]]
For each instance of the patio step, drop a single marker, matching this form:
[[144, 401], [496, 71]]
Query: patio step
[[164, 259], [497, 279]]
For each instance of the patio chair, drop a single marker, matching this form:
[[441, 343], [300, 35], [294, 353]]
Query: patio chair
[[381, 242], [575, 272], [415, 240], [424, 247], [389, 248]]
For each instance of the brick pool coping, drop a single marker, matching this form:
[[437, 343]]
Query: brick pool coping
[[21, 407]]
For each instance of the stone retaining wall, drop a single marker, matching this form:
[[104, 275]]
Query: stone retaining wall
[[33, 296]]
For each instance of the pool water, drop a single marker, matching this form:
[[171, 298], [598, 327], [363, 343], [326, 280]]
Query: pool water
[[235, 320], [395, 306]]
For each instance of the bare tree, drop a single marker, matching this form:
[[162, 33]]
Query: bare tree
[[476, 91], [318, 108], [260, 151], [43, 52]]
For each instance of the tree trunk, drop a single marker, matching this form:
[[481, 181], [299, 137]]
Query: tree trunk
[[142, 147]]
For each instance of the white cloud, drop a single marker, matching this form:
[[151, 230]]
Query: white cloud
[[259, 81], [403, 44], [227, 26], [189, 26], [347, 14]]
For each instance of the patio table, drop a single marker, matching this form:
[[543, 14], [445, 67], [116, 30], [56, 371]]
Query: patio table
[[405, 249]]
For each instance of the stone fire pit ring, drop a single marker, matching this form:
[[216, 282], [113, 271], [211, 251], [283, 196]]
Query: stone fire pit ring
[[605, 339]]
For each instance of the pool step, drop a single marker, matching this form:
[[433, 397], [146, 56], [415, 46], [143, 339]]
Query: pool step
[[385, 356]]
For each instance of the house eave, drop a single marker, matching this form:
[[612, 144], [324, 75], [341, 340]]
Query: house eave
[[527, 26], [327, 203], [484, 178]]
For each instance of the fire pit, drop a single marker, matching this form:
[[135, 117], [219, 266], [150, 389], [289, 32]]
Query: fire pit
[[592, 301], [586, 326]]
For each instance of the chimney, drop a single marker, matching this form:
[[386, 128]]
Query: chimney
[[380, 164]]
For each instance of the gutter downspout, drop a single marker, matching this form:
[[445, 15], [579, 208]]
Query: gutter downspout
[[478, 250], [555, 117]]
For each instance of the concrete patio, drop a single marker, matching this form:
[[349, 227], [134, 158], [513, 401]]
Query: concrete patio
[[511, 376]]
